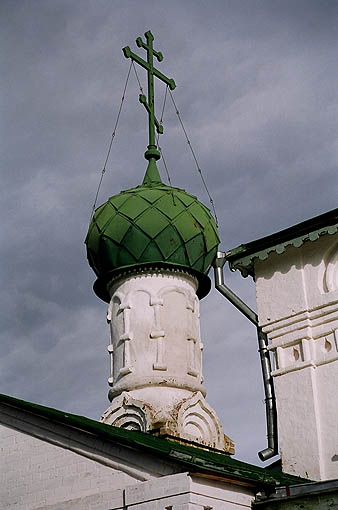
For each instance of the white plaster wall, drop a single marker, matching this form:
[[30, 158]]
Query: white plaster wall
[[35, 474], [219, 495], [297, 302], [298, 425], [327, 377], [279, 286], [185, 492], [297, 280]]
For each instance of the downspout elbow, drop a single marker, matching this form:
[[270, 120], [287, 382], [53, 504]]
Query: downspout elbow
[[267, 454], [228, 293]]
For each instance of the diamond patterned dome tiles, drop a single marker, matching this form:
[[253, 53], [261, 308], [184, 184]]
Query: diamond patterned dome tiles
[[152, 224]]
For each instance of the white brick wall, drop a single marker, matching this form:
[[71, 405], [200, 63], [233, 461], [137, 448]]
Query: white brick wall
[[34, 474]]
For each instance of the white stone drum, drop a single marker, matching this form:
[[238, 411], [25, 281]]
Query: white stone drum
[[156, 358]]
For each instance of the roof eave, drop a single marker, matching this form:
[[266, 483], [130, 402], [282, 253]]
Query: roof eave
[[242, 258], [19, 414]]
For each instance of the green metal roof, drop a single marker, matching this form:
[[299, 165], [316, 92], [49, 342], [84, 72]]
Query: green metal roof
[[242, 257], [151, 225], [190, 458]]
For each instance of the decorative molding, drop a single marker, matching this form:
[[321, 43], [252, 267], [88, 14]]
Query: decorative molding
[[126, 337], [194, 364], [304, 353], [191, 356], [151, 272], [198, 422], [129, 413], [191, 418], [110, 347], [306, 324], [122, 305], [240, 259], [158, 379], [158, 333], [330, 278]]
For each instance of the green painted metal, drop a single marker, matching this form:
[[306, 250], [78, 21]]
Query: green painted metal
[[243, 256], [152, 152], [152, 225], [185, 456]]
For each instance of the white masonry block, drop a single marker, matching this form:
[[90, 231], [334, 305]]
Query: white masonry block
[[297, 300], [37, 475]]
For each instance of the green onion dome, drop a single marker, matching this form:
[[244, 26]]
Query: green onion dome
[[151, 226]]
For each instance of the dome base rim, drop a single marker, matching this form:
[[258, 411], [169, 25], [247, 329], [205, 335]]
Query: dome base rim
[[100, 285]]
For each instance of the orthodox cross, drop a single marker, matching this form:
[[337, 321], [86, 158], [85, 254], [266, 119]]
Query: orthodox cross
[[152, 151]]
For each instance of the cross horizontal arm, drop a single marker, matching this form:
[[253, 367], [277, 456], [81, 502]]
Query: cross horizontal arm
[[169, 81], [129, 54], [141, 44]]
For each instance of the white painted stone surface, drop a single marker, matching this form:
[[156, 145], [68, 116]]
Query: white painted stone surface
[[297, 301], [186, 492], [36, 475], [219, 495], [155, 333], [156, 358]]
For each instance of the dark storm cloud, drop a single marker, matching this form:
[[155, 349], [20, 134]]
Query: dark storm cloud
[[256, 88]]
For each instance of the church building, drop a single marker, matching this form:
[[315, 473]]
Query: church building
[[160, 445]]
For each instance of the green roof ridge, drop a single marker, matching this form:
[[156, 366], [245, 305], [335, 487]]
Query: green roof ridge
[[192, 457]]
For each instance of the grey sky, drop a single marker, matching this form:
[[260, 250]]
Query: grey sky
[[257, 91]]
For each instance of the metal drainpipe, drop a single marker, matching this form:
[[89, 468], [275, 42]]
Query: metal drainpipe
[[270, 399]]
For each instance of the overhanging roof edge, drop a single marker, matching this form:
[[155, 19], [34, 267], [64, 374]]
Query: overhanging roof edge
[[242, 256], [192, 458]]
